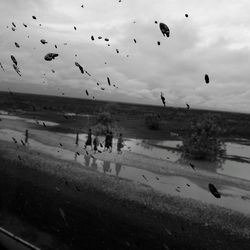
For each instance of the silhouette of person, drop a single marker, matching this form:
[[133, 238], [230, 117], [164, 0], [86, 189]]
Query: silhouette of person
[[77, 138], [107, 138], [89, 139], [96, 143], [120, 144], [26, 136], [110, 141]]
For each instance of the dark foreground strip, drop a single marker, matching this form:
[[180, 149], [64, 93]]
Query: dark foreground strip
[[14, 242]]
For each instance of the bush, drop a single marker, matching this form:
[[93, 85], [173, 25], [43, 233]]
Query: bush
[[152, 121], [104, 118], [104, 122], [202, 142]]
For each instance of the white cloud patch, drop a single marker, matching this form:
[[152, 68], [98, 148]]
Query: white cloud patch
[[214, 39]]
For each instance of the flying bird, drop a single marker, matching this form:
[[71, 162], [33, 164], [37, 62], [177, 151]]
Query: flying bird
[[14, 139], [25, 25], [214, 191], [188, 106], [206, 78], [108, 81], [82, 6], [17, 45], [135, 40], [92, 38], [13, 24], [43, 41], [13, 29], [87, 73], [159, 43], [99, 37], [55, 46], [164, 29], [117, 51], [75, 27], [80, 67], [86, 91], [34, 17], [163, 99], [156, 22], [2, 66], [16, 69], [106, 39], [13, 59], [192, 166], [186, 15], [50, 56]]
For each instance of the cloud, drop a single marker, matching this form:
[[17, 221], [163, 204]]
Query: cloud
[[213, 40]]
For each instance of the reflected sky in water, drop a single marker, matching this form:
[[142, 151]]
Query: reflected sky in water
[[233, 198]]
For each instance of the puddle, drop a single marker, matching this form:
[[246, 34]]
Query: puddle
[[38, 122], [237, 149], [151, 148], [232, 198], [82, 115], [2, 112], [227, 167]]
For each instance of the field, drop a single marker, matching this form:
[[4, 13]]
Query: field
[[57, 199], [129, 117]]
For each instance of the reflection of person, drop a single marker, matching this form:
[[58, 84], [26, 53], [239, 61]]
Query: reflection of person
[[120, 144], [87, 160], [77, 138], [89, 139], [94, 164], [75, 156], [26, 136], [118, 167], [106, 166]]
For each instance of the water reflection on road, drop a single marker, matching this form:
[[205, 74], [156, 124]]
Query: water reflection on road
[[166, 150], [236, 199]]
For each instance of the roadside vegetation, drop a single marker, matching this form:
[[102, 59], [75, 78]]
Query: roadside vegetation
[[203, 142], [152, 121]]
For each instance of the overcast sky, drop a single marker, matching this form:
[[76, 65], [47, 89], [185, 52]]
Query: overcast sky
[[213, 40]]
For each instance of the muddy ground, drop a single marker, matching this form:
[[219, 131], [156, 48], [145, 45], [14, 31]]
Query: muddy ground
[[102, 212]]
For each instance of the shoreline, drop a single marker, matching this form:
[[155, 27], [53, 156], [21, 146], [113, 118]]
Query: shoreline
[[122, 189]]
